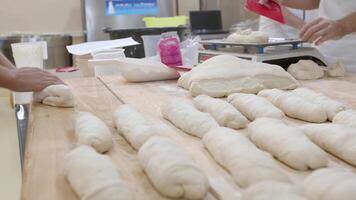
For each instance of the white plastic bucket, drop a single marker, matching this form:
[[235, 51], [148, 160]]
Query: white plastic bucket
[[150, 43]]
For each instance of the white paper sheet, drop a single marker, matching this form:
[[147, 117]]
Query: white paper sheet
[[89, 47]]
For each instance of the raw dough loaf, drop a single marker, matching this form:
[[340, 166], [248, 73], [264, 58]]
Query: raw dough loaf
[[144, 70], [336, 70], [134, 126], [253, 106], [248, 37], [55, 95], [337, 139], [295, 106], [247, 164], [306, 70], [223, 75], [347, 117], [288, 144], [186, 117], [171, 170], [223, 112], [272, 190], [93, 176], [90, 130], [330, 184], [331, 106]]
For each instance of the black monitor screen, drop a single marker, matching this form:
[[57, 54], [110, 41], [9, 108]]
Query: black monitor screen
[[206, 20]]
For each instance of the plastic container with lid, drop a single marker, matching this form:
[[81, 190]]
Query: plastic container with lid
[[169, 50]]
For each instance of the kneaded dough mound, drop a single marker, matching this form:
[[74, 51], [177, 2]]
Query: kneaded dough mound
[[306, 70], [55, 95], [248, 37], [346, 117]]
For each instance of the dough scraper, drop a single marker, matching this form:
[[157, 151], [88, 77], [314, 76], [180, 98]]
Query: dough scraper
[[267, 8]]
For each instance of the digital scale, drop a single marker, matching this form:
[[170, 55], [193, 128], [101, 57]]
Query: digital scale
[[279, 51]]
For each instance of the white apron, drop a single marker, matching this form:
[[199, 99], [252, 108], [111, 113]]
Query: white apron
[[345, 48]]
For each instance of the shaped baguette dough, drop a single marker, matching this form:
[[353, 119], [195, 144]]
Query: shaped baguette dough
[[186, 117], [144, 70], [93, 176], [306, 70], [55, 95], [337, 70], [172, 171], [247, 164], [330, 184], [90, 130], [288, 144], [272, 190], [295, 106], [253, 106], [347, 117], [225, 74], [134, 126], [248, 36], [224, 113], [331, 106], [336, 139]]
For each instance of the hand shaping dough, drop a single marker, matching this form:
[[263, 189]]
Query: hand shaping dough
[[144, 70], [93, 176], [248, 36], [330, 184], [272, 190], [337, 139], [91, 131], [224, 113], [306, 70], [288, 144], [347, 117], [55, 95], [134, 126], [331, 107], [171, 170], [247, 164], [186, 117], [295, 106], [223, 75], [253, 106]]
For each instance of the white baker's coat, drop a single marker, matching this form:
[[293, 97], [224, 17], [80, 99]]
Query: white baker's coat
[[343, 49]]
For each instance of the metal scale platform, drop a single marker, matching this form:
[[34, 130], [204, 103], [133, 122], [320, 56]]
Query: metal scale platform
[[279, 51]]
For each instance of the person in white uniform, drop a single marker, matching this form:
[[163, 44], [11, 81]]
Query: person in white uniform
[[334, 32]]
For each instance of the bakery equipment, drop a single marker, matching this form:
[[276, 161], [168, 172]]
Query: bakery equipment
[[279, 51], [267, 8]]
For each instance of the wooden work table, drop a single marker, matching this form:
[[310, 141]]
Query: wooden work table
[[51, 135]]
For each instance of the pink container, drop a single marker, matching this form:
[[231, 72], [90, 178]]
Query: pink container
[[169, 51]]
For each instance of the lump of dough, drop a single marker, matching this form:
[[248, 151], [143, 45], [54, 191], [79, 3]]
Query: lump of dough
[[306, 70], [224, 113], [336, 70], [288, 144], [336, 139], [248, 37], [272, 190], [247, 164], [225, 74], [295, 106], [144, 70], [186, 117], [134, 126], [330, 184], [172, 171], [90, 130], [55, 95], [346, 117], [253, 106], [93, 176], [331, 106]]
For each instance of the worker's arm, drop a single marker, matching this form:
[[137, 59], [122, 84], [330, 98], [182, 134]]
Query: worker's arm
[[321, 30], [301, 4], [5, 62], [291, 19], [26, 79]]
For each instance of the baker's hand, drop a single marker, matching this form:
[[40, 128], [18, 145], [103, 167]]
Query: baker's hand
[[321, 30], [31, 79]]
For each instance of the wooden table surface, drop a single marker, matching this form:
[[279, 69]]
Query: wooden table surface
[[51, 136]]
